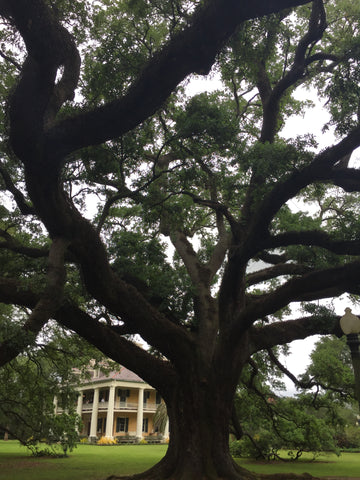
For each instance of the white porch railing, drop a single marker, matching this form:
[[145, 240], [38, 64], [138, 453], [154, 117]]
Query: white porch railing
[[103, 406]]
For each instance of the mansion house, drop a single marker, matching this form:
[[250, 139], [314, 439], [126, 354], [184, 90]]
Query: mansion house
[[118, 404]]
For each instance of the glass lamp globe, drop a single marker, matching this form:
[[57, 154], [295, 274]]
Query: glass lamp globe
[[349, 323]]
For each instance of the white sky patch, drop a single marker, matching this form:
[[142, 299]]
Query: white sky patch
[[312, 121], [199, 84], [299, 358]]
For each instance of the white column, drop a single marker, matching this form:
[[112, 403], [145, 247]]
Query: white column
[[79, 403], [166, 431], [55, 402], [94, 414], [79, 406], [110, 413], [140, 414]]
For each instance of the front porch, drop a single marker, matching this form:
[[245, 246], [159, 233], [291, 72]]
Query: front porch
[[117, 413]]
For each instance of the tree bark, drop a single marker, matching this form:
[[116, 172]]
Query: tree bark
[[199, 414], [199, 411]]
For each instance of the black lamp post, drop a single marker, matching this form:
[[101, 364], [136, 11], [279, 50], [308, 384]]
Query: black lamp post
[[350, 325]]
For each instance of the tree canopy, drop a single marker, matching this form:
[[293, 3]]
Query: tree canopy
[[321, 416], [134, 208], [37, 389]]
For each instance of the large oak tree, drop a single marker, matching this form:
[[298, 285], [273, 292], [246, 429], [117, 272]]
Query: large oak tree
[[95, 107]]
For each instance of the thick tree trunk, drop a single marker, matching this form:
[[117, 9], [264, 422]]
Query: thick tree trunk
[[199, 419], [199, 436], [199, 413]]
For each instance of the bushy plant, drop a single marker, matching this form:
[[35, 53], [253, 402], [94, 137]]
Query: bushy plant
[[64, 431], [39, 450], [236, 448], [294, 424], [61, 436], [263, 444], [349, 438], [106, 441]]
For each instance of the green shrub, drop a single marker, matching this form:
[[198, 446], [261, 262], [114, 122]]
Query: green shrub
[[235, 448], [349, 438], [261, 445]]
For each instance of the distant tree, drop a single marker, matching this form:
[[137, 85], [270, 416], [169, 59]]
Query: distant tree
[[106, 161], [330, 377], [265, 420], [31, 384], [330, 370], [161, 417]]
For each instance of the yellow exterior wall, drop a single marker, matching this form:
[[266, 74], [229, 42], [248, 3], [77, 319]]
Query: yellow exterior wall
[[129, 411]]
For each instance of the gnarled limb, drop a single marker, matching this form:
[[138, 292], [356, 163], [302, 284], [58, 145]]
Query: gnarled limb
[[191, 51], [99, 334], [18, 196], [158, 372], [276, 271], [302, 384], [316, 238], [271, 101], [320, 169], [313, 285], [11, 243], [45, 306], [37, 97], [281, 333]]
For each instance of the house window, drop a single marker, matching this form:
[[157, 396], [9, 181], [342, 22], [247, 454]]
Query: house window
[[146, 396], [123, 394], [88, 397], [145, 425], [101, 425], [122, 424], [104, 396]]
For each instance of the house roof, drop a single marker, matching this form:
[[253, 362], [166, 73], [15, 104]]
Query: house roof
[[123, 374]]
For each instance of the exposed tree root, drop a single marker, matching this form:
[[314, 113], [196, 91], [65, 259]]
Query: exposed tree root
[[287, 476], [241, 476], [166, 469]]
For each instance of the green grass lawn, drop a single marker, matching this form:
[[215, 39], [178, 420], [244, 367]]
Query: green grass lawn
[[347, 465], [91, 462]]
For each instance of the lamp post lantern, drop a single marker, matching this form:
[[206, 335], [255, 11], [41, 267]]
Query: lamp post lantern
[[350, 325]]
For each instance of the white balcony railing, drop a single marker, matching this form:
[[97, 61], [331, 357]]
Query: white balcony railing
[[103, 406], [150, 407]]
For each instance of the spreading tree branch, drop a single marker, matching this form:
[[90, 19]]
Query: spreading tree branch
[[101, 335], [11, 60], [18, 196], [306, 385], [274, 272], [192, 50], [271, 100], [10, 243], [38, 97], [280, 333], [320, 169], [159, 373], [317, 284], [315, 238], [45, 306]]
